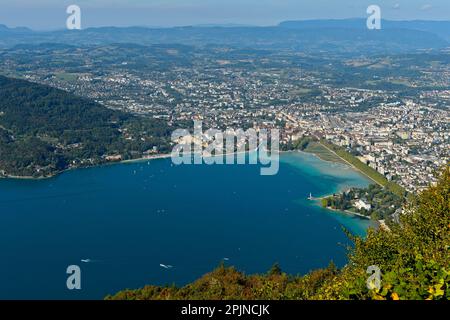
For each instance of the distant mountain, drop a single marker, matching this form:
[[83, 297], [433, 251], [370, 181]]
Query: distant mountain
[[439, 28], [223, 25], [337, 36], [5, 29], [324, 24]]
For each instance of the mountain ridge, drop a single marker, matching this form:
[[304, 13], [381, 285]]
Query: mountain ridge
[[354, 22], [337, 36]]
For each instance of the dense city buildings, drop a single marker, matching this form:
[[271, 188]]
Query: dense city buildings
[[391, 111]]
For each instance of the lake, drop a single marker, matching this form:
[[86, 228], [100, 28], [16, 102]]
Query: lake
[[128, 219]]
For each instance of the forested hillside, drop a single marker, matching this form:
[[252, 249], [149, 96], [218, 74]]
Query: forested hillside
[[414, 259], [45, 130]]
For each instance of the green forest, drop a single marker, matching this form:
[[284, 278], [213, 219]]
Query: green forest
[[383, 202], [413, 256], [44, 131]]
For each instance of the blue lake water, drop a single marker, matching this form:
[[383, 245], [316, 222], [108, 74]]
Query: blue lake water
[[130, 218]]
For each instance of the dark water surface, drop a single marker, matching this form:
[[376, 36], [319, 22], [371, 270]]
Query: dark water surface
[[128, 219]]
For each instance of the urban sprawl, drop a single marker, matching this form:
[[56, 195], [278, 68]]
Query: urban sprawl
[[397, 122]]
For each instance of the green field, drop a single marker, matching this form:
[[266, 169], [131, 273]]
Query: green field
[[368, 171], [322, 152]]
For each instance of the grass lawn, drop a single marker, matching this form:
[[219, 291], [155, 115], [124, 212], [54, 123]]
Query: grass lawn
[[322, 152]]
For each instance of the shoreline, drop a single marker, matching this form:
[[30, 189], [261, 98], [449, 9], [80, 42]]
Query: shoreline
[[316, 200], [344, 163], [347, 163], [109, 163], [165, 156], [350, 213], [143, 159], [352, 167]]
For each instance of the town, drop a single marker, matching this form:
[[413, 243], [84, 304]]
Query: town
[[391, 112]]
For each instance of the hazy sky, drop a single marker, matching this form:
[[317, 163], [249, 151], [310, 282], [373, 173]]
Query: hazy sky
[[51, 14]]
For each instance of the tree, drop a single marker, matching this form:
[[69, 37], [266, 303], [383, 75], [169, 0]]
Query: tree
[[413, 256], [275, 270]]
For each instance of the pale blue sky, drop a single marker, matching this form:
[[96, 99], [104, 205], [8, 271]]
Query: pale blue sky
[[50, 14]]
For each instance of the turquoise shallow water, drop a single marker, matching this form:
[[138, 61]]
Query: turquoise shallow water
[[130, 218]]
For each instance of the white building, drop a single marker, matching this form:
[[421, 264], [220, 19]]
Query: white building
[[361, 204]]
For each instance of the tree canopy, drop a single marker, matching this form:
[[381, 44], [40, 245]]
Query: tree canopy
[[44, 130]]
